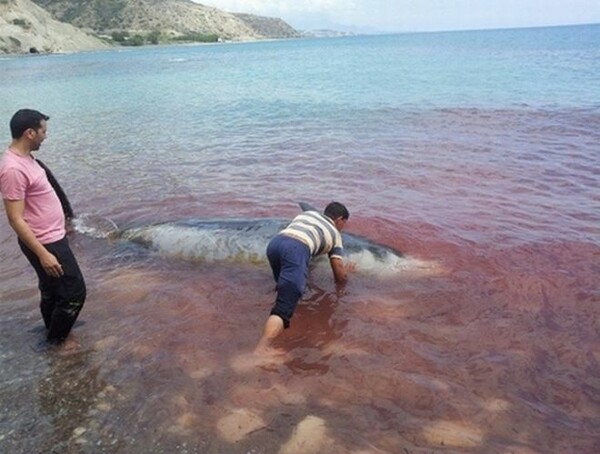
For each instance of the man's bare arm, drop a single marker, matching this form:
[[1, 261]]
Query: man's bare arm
[[339, 271], [14, 213]]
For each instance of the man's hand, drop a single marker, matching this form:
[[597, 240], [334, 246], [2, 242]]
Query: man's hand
[[51, 265], [14, 212], [351, 267]]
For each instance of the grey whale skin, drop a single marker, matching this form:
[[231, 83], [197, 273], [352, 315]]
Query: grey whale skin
[[243, 240]]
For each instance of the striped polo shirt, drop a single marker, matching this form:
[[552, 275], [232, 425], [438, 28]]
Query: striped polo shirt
[[318, 232]]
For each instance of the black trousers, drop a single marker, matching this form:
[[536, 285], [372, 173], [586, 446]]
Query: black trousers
[[61, 297]]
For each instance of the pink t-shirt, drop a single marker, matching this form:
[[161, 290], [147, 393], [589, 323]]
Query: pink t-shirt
[[21, 178]]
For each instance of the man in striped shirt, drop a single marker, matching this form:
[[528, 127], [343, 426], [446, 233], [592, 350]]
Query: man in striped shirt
[[308, 235]]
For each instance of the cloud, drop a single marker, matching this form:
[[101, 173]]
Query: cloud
[[326, 8], [302, 13], [282, 7], [412, 15]]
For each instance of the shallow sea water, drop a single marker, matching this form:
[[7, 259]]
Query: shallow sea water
[[475, 154]]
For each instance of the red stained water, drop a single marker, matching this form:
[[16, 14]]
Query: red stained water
[[492, 344]]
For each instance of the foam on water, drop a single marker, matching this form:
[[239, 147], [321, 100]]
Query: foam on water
[[389, 263], [95, 226]]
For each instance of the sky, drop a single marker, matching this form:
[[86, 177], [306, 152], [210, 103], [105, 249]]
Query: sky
[[384, 16]]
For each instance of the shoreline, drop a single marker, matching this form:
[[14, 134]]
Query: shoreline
[[112, 47]]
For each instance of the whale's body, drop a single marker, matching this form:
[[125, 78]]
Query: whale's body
[[246, 240]]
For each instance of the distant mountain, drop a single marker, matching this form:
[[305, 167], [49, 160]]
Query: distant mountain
[[325, 33], [269, 27], [27, 28], [170, 18]]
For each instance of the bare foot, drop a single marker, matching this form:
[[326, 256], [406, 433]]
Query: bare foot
[[69, 346], [56, 345], [248, 361], [266, 351], [42, 346]]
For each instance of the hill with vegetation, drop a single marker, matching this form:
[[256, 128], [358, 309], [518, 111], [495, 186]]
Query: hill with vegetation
[[154, 21], [27, 28], [34, 26]]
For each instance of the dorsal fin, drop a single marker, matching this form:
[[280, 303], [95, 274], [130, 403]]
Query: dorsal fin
[[307, 206]]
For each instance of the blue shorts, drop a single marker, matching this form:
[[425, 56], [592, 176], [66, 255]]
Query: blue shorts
[[289, 259]]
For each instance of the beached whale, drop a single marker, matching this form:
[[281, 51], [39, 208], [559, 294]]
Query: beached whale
[[245, 240]]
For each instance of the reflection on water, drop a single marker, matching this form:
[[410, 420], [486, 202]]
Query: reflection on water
[[69, 395], [316, 331], [459, 362]]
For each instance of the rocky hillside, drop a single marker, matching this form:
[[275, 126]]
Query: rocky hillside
[[268, 27], [27, 28], [169, 17]]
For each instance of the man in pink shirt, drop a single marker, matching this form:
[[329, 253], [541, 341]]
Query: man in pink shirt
[[35, 213]]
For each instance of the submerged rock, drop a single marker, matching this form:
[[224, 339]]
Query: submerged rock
[[309, 437], [237, 425], [457, 435]]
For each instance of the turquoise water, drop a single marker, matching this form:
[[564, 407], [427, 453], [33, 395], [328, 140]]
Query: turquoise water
[[475, 154], [537, 67], [375, 96]]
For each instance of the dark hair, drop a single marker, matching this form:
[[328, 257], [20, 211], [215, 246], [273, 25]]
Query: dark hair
[[25, 119], [335, 210]]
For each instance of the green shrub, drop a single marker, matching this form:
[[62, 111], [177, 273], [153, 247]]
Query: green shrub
[[22, 23], [119, 37], [156, 37], [153, 37], [198, 37], [135, 40]]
